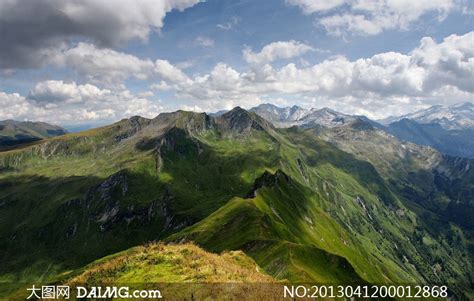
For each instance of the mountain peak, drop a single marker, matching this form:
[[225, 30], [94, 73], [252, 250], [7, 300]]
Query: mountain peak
[[362, 124], [295, 115], [454, 117], [267, 105], [326, 109], [191, 122], [278, 116], [238, 109], [464, 105], [326, 117], [241, 121], [237, 114]]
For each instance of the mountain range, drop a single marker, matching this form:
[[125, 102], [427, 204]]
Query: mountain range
[[447, 129], [455, 117], [295, 115], [336, 200], [14, 133]]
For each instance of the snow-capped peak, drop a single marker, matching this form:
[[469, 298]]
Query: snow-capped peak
[[458, 116]]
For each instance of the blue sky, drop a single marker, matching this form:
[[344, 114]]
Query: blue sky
[[94, 62]]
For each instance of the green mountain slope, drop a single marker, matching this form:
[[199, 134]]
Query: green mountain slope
[[278, 225], [454, 142], [298, 205], [439, 189]]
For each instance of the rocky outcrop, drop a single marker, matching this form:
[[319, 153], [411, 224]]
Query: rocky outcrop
[[128, 127], [171, 220], [268, 179], [102, 208]]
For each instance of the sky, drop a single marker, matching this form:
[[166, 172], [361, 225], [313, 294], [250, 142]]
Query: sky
[[92, 62]]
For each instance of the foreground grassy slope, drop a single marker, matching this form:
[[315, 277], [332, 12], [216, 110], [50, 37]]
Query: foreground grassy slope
[[169, 263], [178, 270], [296, 204]]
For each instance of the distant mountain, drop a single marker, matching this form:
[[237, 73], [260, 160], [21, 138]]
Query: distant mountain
[[325, 117], [280, 117], [454, 142], [218, 113], [449, 129], [290, 116], [17, 132], [456, 117]]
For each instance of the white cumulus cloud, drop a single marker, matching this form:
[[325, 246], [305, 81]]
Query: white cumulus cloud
[[275, 51], [434, 72], [110, 68], [70, 103], [383, 84], [51, 24], [104, 66], [370, 17], [311, 6]]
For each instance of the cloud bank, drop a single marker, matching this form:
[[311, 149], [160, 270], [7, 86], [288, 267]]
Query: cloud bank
[[275, 51], [84, 37], [69, 103], [370, 17], [386, 83], [33, 32]]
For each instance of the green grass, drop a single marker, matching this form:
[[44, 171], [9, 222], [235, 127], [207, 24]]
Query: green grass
[[168, 267], [169, 263]]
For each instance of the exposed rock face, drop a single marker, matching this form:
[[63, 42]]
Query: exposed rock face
[[103, 208], [171, 220], [197, 123], [362, 125], [117, 181], [291, 116], [102, 202], [268, 179], [325, 117], [192, 123], [129, 127], [116, 213], [280, 116]]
